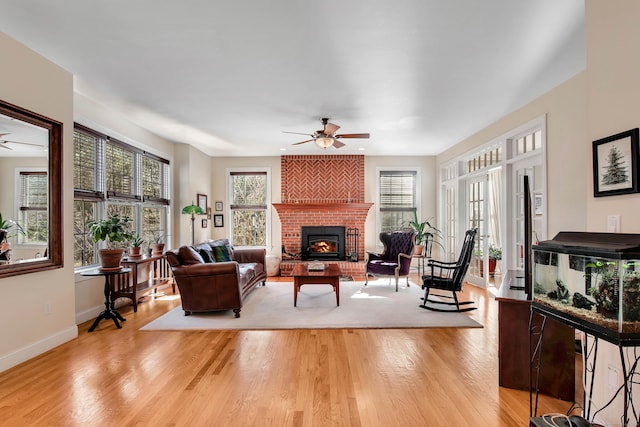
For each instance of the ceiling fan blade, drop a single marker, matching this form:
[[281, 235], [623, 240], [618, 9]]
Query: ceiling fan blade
[[4, 141], [330, 129], [338, 144], [302, 142], [297, 133], [3, 145], [353, 135]]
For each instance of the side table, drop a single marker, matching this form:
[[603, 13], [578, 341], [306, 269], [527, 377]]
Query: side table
[[420, 259], [109, 312]]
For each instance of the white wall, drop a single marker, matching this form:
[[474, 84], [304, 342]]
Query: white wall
[[613, 67], [567, 150], [34, 83]]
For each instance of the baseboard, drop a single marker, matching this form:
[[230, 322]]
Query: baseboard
[[37, 348], [88, 314]]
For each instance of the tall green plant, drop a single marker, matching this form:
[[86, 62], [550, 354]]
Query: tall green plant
[[110, 230], [10, 227], [425, 231]]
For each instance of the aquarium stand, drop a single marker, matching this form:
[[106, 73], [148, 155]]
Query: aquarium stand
[[596, 332]]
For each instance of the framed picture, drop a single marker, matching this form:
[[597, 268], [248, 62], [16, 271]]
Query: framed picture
[[218, 221], [202, 201], [615, 164], [209, 213], [218, 205], [204, 223]]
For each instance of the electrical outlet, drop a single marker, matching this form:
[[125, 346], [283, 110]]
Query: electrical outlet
[[47, 308], [613, 223], [612, 377]]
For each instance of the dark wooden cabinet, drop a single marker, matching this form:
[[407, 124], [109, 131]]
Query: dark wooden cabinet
[[557, 367]]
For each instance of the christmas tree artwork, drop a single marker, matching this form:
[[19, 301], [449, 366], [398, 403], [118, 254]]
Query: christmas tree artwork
[[616, 171]]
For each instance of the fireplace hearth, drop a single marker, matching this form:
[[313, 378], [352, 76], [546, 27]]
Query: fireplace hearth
[[324, 243]]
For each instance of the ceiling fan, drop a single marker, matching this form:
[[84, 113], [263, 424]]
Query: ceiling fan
[[4, 142], [327, 137]]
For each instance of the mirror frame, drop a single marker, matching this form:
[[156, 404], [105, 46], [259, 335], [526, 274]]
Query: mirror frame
[[55, 247]]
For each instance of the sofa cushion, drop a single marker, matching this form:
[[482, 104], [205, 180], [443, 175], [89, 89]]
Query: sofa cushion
[[222, 242], [205, 252], [220, 253], [206, 255], [188, 256]]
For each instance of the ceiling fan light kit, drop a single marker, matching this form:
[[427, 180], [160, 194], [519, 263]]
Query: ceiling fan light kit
[[326, 137], [324, 141]]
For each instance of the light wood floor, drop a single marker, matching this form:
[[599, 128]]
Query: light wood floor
[[352, 377]]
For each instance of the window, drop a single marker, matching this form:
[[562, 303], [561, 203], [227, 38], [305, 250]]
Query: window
[[397, 198], [249, 201], [34, 203], [111, 177]]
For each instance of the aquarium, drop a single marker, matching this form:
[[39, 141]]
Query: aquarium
[[590, 280]]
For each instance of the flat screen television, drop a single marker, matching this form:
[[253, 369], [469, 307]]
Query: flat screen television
[[528, 236]]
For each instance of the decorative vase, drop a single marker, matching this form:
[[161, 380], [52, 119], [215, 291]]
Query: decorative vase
[[110, 259]]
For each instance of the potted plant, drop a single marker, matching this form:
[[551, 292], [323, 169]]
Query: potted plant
[[425, 232], [495, 254], [136, 245], [157, 245], [8, 229], [114, 229]]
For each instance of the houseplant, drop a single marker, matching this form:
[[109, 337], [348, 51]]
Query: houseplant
[[136, 243], [112, 230], [495, 254], [425, 232], [157, 245], [8, 229]]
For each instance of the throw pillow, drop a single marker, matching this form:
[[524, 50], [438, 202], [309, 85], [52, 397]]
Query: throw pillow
[[189, 256], [206, 255], [221, 253]]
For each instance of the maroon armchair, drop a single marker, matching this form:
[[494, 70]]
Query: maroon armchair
[[395, 260]]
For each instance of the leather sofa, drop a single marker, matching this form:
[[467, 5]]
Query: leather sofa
[[214, 276]]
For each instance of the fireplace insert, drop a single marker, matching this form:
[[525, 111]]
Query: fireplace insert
[[325, 243]]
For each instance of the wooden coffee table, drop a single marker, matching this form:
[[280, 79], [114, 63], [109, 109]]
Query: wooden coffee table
[[329, 276]]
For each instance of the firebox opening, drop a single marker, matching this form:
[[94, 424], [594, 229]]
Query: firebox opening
[[323, 243]]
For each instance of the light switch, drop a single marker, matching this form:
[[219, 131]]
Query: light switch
[[613, 223]]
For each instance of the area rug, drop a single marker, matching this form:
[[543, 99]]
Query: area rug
[[377, 305]]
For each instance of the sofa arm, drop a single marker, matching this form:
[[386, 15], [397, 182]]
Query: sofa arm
[[255, 255]]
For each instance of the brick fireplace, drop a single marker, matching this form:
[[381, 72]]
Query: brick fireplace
[[322, 190]]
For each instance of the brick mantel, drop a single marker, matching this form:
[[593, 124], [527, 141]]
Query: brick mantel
[[321, 190], [284, 207]]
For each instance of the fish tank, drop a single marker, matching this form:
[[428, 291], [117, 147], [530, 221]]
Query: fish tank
[[590, 281]]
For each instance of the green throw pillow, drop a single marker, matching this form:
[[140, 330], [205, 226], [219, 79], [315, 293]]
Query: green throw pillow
[[206, 256], [221, 253]]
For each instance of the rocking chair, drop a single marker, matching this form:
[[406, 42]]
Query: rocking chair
[[449, 276]]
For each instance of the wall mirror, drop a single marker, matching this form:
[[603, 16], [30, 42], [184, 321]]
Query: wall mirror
[[30, 191]]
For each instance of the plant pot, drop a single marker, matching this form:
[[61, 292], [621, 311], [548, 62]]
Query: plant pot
[[135, 252], [157, 248], [492, 267], [110, 259], [418, 251]]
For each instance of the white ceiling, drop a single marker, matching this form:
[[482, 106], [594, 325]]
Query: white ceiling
[[229, 76]]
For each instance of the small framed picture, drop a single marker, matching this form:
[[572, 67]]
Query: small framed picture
[[209, 213], [202, 201], [218, 205], [615, 164], [218, 221], [204, 223]]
